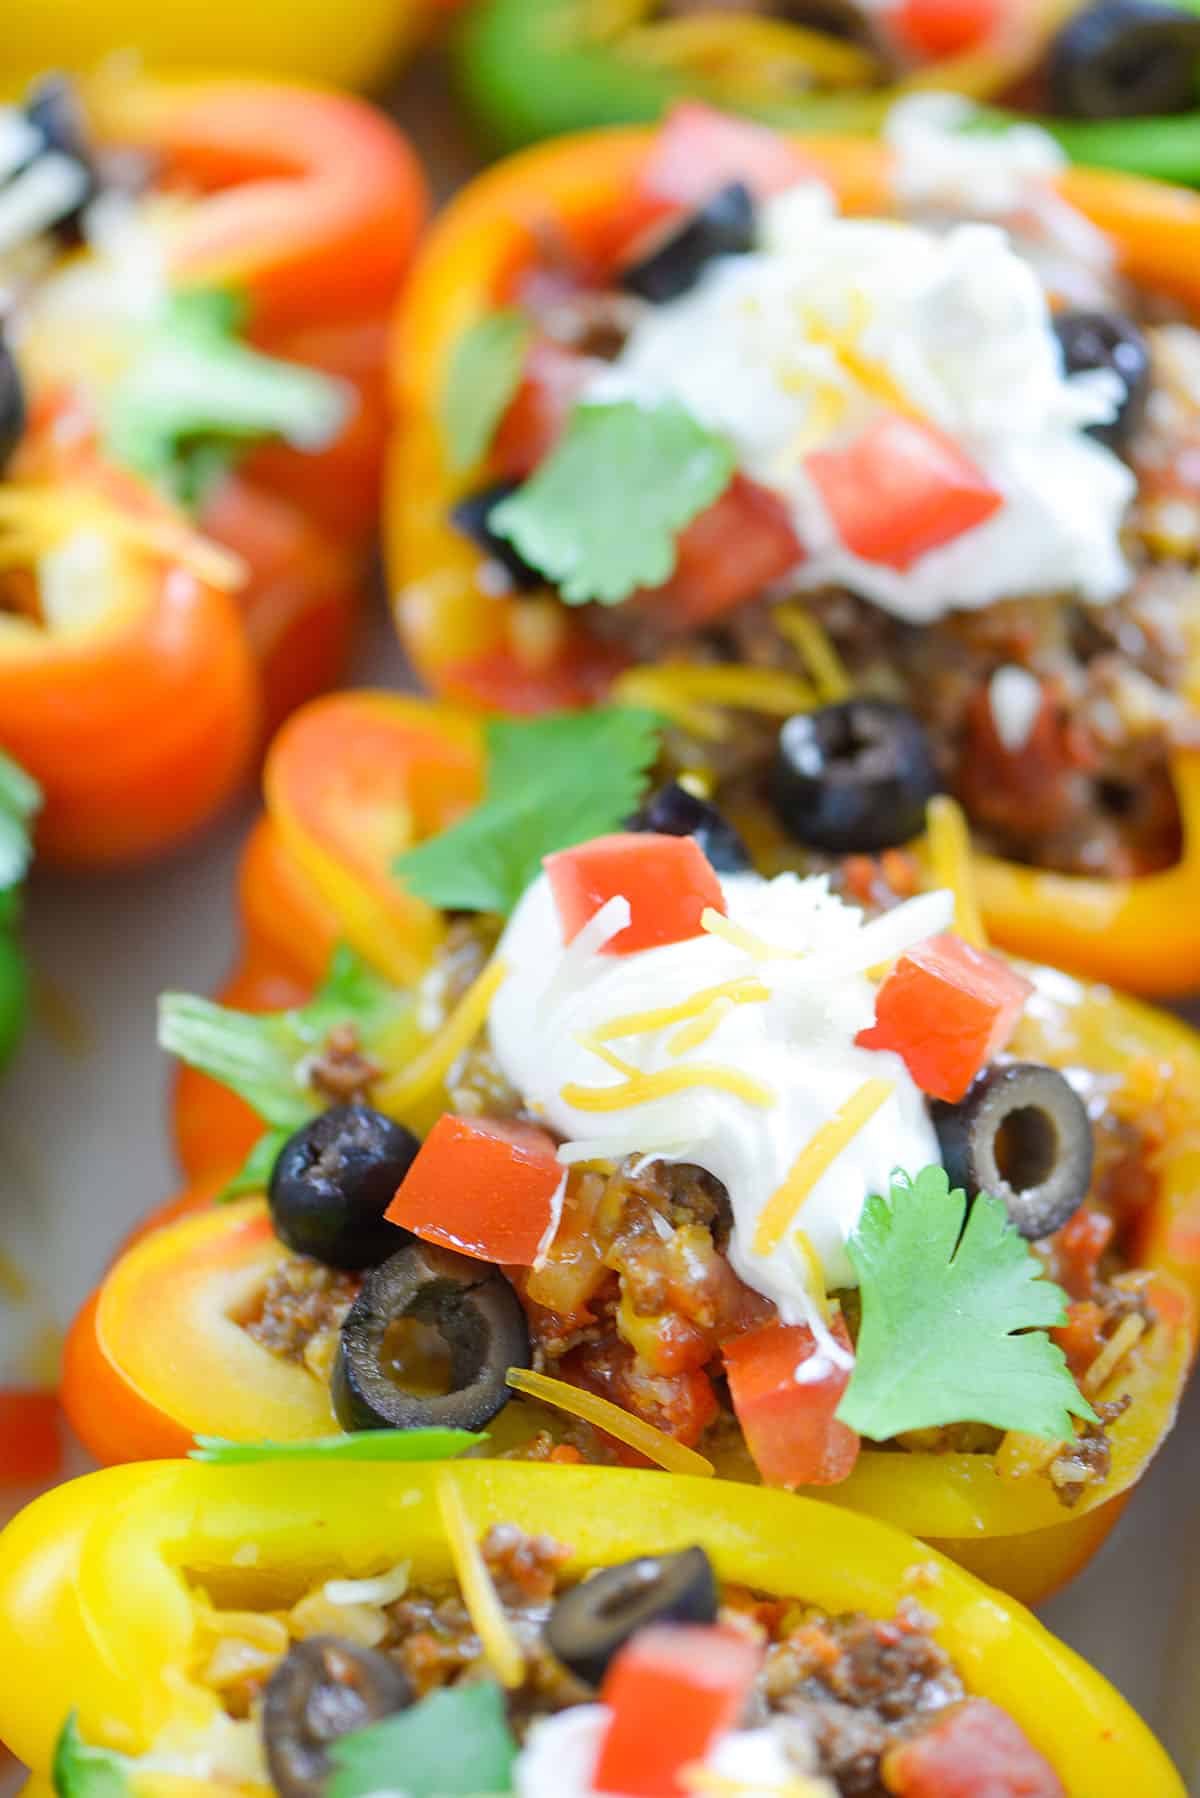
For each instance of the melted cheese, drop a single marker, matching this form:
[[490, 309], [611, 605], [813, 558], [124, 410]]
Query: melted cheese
[[952, 866], [400, 1096], [487, 1614]]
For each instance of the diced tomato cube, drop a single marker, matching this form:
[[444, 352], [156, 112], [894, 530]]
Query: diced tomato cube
[[931, 29], [1078, 1249], [725, 557], [700, 150], [553, 379], [789, 1424], [1082, 1336], [671, 1692], [971, 1750], [30, 1443], [668, 881], [946, 1009], [482, 1186], [900, 489]]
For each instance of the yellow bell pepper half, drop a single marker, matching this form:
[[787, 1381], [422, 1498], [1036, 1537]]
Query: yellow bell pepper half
[[99, 1581]]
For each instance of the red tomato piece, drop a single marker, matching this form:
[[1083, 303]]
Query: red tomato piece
[[931, 29], [789, 1424], [537, 414], [668, 881], [1078, 1249], [481, 1186], [723, 558], [1082, 1336], [900, 489], [672, 1691], [946, 1008], [699, 150], [30, 1445], [972, 1750]]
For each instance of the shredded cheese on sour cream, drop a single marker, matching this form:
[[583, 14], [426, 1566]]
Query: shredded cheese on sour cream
[[834, 321], [773, 1097]]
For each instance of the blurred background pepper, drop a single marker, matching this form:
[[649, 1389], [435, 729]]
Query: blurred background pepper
[[1115, 80]]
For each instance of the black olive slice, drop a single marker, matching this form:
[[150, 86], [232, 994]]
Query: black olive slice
[[12, 405], [853, 777], [322, 1689], [674, 812], [1106, 340], [332, 1182], [1021, 1134], [724, 226], [591, 1621], [1123, 59], [54, 111], [471, 515], [469, 1313]]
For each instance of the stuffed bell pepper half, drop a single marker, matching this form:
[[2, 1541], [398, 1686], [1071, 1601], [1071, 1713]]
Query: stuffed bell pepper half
[[1115, 81], [876, 469], [301, 1627], [654, 1158], [195, 279]]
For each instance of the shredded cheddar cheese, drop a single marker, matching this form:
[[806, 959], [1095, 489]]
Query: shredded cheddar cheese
[[33, 520], [642, 1089], [815, 1157], [1120, 1344], [816, 1278], [491, 1625], [706, 1783], [950, 864], [717, 924], [633, 1431], [697, 1032], [684, 694], [419, 1081], [810, 638], [638, 1023]]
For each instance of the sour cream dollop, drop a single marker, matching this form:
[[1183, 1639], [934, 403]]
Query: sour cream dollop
[[796, 1044], [560, 1753], [800, 344]]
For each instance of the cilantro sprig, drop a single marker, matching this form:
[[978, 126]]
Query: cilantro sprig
[[551, 783], [265, 1057], [955, 1311], [20, 801], [195, 396], [601, 514], [81, 1771], [484, 374], [362, 1445], [454, 1744]]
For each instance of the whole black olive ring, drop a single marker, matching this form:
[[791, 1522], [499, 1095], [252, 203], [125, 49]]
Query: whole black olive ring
[[1125, 59], [1021, 1134], [472, 1308], [1107, 340], [723, 226], [853, 777], [674, 812], [591, 1621], [332, 1182], [322, 1689]]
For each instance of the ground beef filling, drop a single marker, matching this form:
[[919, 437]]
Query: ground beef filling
[[848, 1686]]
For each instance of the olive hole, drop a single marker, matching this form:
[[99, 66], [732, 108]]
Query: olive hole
[[417, 1358], [1026, 1148], [617, 1602]]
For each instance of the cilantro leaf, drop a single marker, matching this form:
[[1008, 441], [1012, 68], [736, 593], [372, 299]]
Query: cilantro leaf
[[254, 1175], [601, 514], [484, 373], [953, 1319], [194, 397], [455, 1742], [81, 1771], [20, 799], [264, 1057], [551, 782], [363, 1445]]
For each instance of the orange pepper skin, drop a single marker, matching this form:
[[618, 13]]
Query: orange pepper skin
[[1137, 933]]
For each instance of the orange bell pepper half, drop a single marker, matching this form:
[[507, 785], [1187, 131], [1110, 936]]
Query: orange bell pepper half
[[466, 641]]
